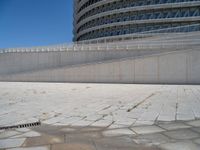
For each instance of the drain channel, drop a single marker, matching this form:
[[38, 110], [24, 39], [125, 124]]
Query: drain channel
[[21, 126]]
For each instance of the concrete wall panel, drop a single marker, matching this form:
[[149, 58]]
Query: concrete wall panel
[[175, 67], [127, 71], [193, 65], [146, 70], [172, 68], [28, 61]]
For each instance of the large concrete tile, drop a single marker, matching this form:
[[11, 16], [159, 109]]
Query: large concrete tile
[[118, 132], [151, 139], [182, 134], [7, 134], [147, 129], [173, 126], [23, 130], [102, 123], [196, 129], [43, 140], [75, 104], [195, 123], [10, 143], [72, 147], [28, 134], [32, 148], [120, 143], [180, 146]]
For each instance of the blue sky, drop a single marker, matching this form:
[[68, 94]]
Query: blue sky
[[25, 23]]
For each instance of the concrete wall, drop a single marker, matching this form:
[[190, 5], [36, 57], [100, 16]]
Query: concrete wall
[[11, 63], [174, 67]]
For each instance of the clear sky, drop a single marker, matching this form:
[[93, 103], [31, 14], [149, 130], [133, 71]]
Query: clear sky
[[25, 23]]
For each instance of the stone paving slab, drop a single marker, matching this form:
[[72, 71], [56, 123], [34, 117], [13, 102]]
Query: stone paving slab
[[173, 126], [32, 148], [8, 134], [196, 129], [182, 134], [73, 147], [118, 132], [195, 123], [151, 137], [74, 116], [197, 141], [10, 143], [180, 146], [147, 129], [76, 104], [43, 140], [27, 134]]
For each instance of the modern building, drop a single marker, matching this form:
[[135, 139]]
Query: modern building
[[110, 19]]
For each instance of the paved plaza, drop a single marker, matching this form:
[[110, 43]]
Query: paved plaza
[[100, 116]]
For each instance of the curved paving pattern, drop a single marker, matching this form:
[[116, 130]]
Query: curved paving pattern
[[160, 136], [100, 116]]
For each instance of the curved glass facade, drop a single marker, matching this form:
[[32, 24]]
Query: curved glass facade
[[94, 19]]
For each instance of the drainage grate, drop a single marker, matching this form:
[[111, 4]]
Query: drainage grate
[[21, 126]]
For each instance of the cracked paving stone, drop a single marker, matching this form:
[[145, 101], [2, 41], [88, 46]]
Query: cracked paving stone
[[72, 147], [197, 129], [7, 134], [53, 120], [147, 129], [84, 138], [151, 139], [185, 117], [102, 123], [197, 141], [82, 123], [23, 130], [118, 132], [32, 148], [166, 117], [143, 122], [28, 134], [182, 134], [173, 126], [94, 117], [186, 145], [117, 126], [43, 140], [69, 120], [195, 123], [67, 111], [126, 122], [67, 130], [91, 129], [120, 143], [10, 143], [2, 131]]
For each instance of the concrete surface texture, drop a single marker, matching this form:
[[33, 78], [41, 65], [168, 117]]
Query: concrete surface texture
[[100, 116], [161, 136], [168, 59], [41, 58], [97, 104], [173, 67]]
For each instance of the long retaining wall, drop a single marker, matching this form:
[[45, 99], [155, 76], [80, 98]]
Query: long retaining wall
[[173, 67], [17, 62]]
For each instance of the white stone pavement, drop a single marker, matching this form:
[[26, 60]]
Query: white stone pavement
[[113, 105]]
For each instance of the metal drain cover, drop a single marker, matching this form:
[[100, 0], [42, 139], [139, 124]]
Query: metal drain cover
[[27, 125]]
